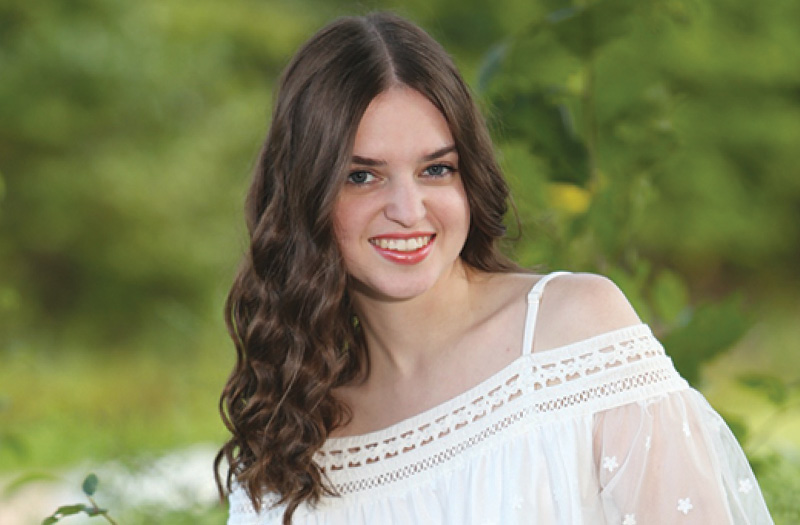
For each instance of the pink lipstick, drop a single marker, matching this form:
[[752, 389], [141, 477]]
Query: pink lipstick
[[404, 248]]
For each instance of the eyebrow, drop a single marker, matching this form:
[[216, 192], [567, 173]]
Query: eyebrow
[[441, 152]]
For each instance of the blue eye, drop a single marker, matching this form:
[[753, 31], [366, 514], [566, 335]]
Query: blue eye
[[360, 177], [439, 170]]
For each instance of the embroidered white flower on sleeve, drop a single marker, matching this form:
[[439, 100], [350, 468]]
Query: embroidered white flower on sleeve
[[745, 485], [685, 505], [686, 429], [647, 443], [630, 519], [610, 463]]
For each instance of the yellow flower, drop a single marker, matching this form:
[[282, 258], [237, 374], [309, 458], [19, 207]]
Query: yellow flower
[[568, 198]]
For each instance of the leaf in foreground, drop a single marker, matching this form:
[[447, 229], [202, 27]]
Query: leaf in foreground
[[90, 484]]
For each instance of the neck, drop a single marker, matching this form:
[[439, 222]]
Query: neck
[[405, 337]]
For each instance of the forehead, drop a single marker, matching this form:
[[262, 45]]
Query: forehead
[[399, 122]]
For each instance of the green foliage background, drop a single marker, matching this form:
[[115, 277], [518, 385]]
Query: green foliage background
[[652, 141]]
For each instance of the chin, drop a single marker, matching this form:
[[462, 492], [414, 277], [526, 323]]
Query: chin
[[392, 289]]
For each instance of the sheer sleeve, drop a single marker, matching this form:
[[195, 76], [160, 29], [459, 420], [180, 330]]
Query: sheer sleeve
[[671, 459]]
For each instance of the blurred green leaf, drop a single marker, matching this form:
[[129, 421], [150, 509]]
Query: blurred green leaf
[[711, 329], [69, 510], [90, 484], [670, 296], [549, 129], [771, 386], [490, 66], [584, 29], [737, 425], [779, 477], [64, 511]]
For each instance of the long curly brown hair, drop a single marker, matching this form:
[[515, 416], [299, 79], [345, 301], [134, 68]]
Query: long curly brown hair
[[288, 312]]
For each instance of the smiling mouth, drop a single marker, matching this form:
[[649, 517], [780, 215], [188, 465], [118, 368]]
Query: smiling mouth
[[410, 244]]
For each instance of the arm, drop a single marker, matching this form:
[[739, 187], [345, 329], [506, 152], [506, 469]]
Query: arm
[[671, 459], [666, 458]]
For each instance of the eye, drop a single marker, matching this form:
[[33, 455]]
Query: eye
[[360, 177], [439, 170]]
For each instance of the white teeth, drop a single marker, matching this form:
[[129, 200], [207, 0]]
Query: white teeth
[[402, 245]]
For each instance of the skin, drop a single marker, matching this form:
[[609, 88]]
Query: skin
[[403, 183], [435, 327]]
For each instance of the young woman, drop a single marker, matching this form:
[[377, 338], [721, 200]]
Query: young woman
[[394, 367]]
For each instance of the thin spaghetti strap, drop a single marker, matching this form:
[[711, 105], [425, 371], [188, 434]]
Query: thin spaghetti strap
[[534, 298]]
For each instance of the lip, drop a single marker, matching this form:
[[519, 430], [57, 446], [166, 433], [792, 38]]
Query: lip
[[405, 257]]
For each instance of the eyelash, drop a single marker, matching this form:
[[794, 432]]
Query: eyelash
[[359, 172], [447, 170]]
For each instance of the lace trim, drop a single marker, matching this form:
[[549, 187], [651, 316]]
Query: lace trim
[[546, 374], [409, 470]]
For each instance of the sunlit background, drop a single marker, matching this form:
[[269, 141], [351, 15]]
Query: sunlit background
[[652, 141]]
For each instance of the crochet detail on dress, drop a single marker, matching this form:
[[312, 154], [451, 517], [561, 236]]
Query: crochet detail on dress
[[604, 370]]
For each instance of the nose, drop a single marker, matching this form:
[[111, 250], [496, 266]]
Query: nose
[[405, 204]]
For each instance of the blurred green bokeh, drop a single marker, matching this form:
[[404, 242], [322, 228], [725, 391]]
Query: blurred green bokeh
[[655, 141]]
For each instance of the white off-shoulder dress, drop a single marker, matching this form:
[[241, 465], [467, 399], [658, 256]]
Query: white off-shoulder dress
[[602, 431]]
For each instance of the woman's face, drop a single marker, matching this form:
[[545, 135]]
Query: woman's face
[[402, 216]]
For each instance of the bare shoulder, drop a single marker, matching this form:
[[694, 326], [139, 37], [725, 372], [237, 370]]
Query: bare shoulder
[[579, 306]]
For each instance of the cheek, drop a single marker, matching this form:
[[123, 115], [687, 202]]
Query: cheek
[[347, 223]]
